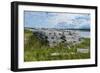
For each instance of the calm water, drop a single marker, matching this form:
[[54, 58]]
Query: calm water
[[85, 34]]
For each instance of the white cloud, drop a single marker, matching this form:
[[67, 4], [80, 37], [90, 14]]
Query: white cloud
[[69, 18]]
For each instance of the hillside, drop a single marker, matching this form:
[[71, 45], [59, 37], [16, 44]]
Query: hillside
[[38, 50]]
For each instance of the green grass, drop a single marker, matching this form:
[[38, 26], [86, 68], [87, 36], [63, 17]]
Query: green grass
[[38, 50]]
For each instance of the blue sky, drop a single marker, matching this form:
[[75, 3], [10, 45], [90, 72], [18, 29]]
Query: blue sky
[[56, 20]]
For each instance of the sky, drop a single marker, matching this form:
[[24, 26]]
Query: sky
[[60, 20]]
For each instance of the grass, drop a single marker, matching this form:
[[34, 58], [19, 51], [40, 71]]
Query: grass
[[38, 50]]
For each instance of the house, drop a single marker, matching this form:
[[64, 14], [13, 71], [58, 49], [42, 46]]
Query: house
[[55, 37]]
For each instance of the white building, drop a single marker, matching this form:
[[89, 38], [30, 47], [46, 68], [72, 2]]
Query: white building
[[55, 37]]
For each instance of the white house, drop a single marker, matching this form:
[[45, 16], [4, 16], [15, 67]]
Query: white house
[[54, 36]]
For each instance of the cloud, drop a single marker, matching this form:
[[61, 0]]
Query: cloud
[[57, 20], [68, 20]]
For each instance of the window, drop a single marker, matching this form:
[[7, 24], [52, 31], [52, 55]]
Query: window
[[59, 33], [52, 37], [49, 33], [54, 33]]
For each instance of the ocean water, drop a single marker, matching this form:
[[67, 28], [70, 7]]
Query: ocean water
[[85, 34]]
